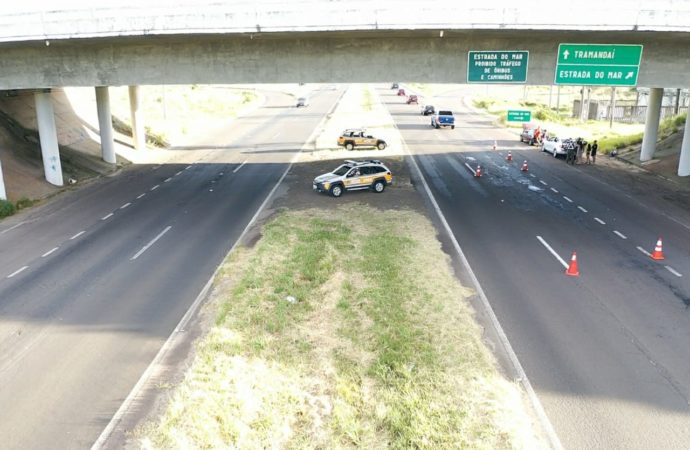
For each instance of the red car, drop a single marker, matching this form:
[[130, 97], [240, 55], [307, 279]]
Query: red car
[[412, 99], [401, 91]]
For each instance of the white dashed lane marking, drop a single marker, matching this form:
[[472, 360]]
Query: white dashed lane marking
[[532, 175], [77, 235], [619, 234], [644, 251], [187, 167], [544, 182], [178, 173], [673, 271], [600, 221], [567, 199], [553, 252], [166, 180], [155, 187], [125, 205], [582, 209], [107, 217], [239, 167], [48, 253], [153, 241], [17, 272], [554, 190], [140, 195]]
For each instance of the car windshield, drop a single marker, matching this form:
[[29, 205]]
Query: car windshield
[[342, 170]]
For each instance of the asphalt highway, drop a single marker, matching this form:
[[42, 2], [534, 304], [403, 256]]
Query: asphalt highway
[[606, 352], [92, 284]]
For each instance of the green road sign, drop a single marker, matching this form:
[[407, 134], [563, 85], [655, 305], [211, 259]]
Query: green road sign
[[598, 64], [497, 66], [517, 115]]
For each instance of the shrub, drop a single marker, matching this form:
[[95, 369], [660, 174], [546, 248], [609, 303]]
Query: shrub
[[485, 104], [545, 114], [606, 143], [24, 202], [6, 208]]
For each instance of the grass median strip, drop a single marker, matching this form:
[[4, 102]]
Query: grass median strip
[[342, 328]]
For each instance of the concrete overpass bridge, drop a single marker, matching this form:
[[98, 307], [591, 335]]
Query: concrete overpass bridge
[[183, 41]]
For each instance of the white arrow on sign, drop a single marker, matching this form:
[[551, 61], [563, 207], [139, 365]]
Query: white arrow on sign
[[565, 54], [629, 75]]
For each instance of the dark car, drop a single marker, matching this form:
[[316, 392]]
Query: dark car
[[401, 91], [527, 134], [394, 86], [412, 99], [428, 109]]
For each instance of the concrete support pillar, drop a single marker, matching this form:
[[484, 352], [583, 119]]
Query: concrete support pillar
[[3, 193], [651, 128], [47, 133], [105, 124], [138, 131], [684, 163]]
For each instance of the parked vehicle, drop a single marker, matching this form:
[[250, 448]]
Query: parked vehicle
[[443, 118], [528, 133], [302, 101], [401, 91], [354, 175], [554, 145], [358, 137], [412, 99], [428, 109], [394, 86]]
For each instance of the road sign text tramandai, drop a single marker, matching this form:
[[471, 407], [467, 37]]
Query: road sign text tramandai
[[598, 64], [497, 66]]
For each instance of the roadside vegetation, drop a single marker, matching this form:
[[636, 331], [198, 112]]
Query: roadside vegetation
[[343, 328], [174, 111], [561, 123], [7, 208]]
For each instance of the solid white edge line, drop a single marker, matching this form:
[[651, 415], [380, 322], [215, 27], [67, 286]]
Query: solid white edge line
[[553, 252], [644, 251], [554, 190], [600, 221], [522, 375], [153, 241], [125, 205], [619, 234], [567, 199], [673, 271], [140, 195], [107, 217], [582, 209], [17, 272], [240, 166], [50, 252], [119, 414], [155, 187], [77, 235]]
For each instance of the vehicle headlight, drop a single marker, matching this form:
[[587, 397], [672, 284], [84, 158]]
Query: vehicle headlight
[[326, 185]]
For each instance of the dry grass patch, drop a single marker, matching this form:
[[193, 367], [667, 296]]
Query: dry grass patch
[[379, 350]]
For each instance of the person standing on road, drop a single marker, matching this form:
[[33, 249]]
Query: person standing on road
[[579, 144], [588, 151], [595, 147]]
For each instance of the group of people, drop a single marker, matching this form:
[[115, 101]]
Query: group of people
[[576, 148]]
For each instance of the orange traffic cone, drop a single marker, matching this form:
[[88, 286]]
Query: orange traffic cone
[[658, 254], [478, 172], [509, 157], [572, 269], [495, 143], [524, 167]]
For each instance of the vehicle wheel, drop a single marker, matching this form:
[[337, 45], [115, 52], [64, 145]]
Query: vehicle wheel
[[378, 186], [555, 153], [381, 145], [452, 127], [349, 146], [336, 190]]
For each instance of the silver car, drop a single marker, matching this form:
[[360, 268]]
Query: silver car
[[553, 145]]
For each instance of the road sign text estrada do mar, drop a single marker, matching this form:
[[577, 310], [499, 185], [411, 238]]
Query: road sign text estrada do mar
[[499, 66], [598, 64], [519, 115]]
